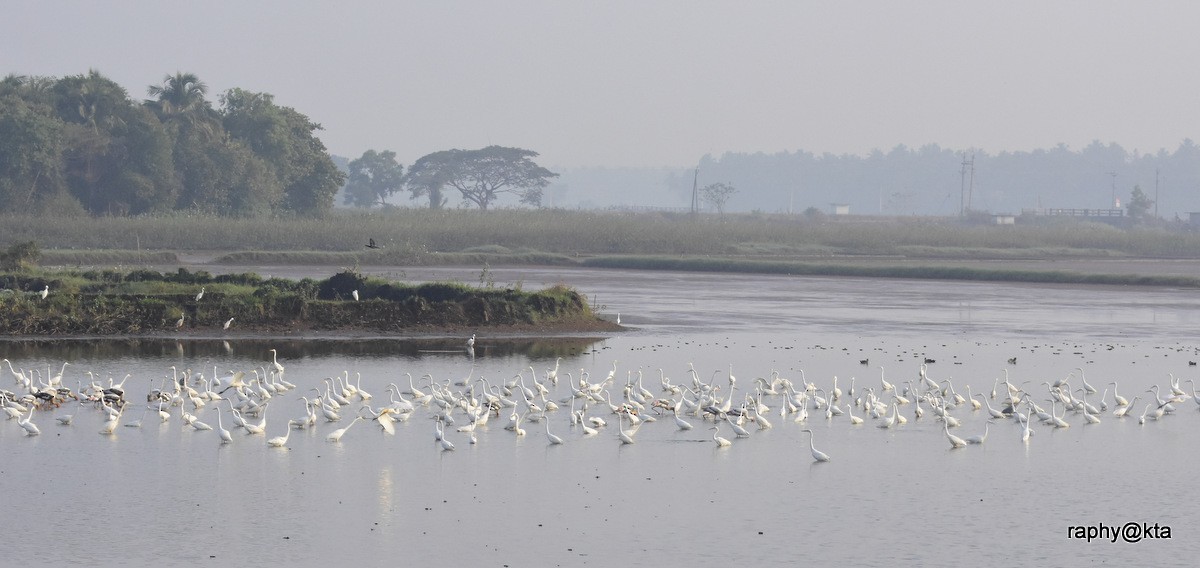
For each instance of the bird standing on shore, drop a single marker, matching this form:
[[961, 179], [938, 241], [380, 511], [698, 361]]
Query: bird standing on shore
[[45, 292], [179, 322], [201, 294], [228, 323]]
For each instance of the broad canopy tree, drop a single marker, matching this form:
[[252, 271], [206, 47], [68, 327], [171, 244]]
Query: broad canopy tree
[[81, 144], [373, 177], [481, 176], [285, 140]]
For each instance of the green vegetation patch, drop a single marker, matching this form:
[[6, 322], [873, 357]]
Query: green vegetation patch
[[143, 302]]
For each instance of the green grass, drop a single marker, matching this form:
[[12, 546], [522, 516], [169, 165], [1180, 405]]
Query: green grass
[[748, 243], [413, 234]]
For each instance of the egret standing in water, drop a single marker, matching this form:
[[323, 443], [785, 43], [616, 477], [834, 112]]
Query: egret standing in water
[[721, 442], [817, 455]]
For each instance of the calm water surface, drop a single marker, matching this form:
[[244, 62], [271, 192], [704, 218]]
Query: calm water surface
[[167, 494]]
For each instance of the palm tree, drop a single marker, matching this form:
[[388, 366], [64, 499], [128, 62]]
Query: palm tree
[[180, 93], [181, 96]]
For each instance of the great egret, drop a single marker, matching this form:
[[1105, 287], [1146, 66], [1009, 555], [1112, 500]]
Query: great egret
[[354, 294], [816, 454], [200, 294], [275, 361], [226, 437], [281, 441], [979, 438], [721, 442], [179, 322], [31, 429], [45, 292], [554, 440], [955, 441], [336, 435], [228, 323]]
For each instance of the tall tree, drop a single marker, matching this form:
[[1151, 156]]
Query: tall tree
[[481, 176], [1139, 204], [372, 178], [31, 145], [285, 139]]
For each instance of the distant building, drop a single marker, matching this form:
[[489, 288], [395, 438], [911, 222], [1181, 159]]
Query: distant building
[[1004, 219], [840, 208], [1109, 216]]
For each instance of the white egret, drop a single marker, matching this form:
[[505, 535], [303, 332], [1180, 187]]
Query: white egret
[[816, 454], [979, 438], [955, 441], [275, 361], [721, 442], [226, 437], [281, 441], [336, 435], [31, 429], [554, 440]]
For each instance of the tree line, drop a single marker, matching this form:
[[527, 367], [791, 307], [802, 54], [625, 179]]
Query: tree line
[[480, 177], [82, 144], [932, 180]]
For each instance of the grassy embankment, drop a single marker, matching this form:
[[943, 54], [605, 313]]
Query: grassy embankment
[[742, 243], [147, 302]]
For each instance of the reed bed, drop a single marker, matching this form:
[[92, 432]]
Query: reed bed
[[414, 233]]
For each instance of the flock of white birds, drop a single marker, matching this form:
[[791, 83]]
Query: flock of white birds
[[461, 410]]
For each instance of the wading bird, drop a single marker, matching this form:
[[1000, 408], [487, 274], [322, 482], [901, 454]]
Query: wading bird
[[816, 454]]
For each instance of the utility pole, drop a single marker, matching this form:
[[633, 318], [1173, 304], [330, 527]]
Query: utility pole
[[965, 191], [962, 187], [695, 194], [1113, 204], [971, 186], [1156, 193]]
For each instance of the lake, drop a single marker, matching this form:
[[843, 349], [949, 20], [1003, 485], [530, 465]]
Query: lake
[[167, 493]]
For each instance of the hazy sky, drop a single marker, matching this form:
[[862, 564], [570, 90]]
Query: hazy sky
[[656, 83]]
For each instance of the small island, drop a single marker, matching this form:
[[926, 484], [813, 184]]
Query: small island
[[35, 302]]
